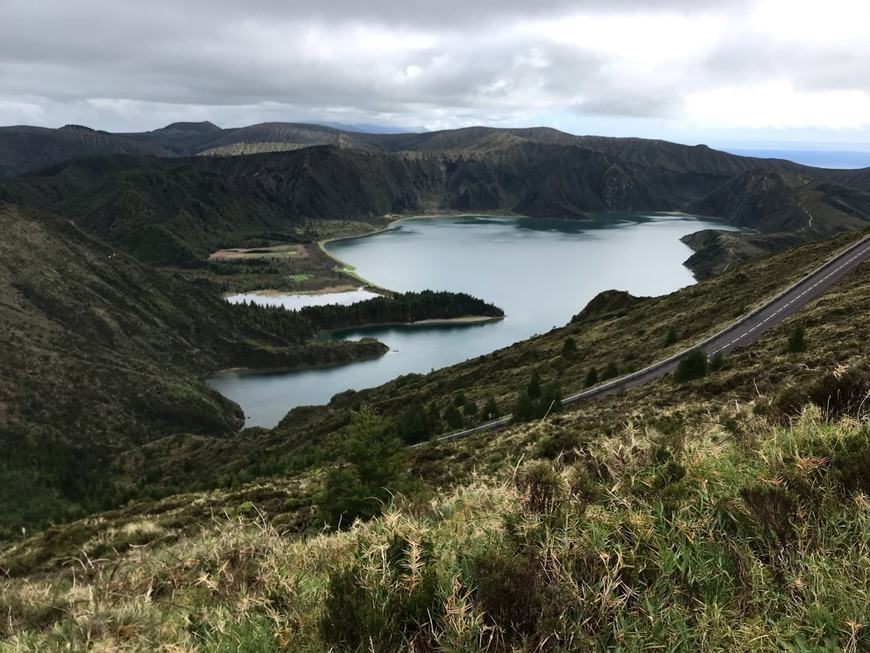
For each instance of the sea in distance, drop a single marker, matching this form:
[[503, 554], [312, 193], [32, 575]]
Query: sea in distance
[[540, 271]]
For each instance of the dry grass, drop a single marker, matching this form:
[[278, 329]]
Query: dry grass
[[656, 547]]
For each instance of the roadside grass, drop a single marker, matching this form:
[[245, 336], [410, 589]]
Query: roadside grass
[[701, 539]]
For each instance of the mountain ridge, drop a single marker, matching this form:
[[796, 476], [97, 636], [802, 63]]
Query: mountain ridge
[[172, 210]]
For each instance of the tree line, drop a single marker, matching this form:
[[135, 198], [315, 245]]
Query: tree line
[[403, 308]]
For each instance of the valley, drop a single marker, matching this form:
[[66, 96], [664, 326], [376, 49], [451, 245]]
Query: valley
[[126, 477]]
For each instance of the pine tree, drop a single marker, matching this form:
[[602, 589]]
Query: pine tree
[[591, 377], [490, 409], [797, 340], [453, 417], [534, 389]]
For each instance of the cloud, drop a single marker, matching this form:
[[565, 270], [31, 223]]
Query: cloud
[[127, 65]]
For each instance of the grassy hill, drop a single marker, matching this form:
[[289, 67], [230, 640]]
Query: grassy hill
[[101, 353], [725, 513]]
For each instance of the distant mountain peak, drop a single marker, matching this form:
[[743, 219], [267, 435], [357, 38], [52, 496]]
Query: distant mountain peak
[[203, 127]]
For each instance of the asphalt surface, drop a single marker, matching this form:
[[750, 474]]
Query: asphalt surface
[[738, 334]]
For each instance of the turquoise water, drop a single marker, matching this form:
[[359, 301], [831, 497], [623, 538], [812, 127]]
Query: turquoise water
[[541, 272]]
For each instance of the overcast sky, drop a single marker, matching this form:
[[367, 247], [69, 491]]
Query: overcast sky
[[693, 71]]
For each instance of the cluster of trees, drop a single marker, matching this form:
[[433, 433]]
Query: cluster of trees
[[403, 308], [418, 424], [53, 483], [537, 401], [289, 325]]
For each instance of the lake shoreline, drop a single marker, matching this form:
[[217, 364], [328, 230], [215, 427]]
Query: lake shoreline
[[457, 321], [541, 272], [447, 321], [256, 371]]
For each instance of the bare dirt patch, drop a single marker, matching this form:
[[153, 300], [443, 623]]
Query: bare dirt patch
[[278, 251]]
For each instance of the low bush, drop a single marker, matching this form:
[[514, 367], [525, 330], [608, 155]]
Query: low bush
[[391, 611]]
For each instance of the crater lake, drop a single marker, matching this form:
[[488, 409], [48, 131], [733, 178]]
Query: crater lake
[[540, 271]]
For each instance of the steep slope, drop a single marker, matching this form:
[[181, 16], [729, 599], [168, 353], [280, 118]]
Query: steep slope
[[784, 208], [763, 199], [100, 353], [673, 156], [176, 211]]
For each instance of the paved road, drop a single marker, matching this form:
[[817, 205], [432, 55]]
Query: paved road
[[740, 333]]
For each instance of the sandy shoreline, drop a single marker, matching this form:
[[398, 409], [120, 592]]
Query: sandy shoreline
[[270, 292], [468, 319]]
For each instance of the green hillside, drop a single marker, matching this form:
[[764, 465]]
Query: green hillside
[[176, 212], [204, 188], [722, 508], [724, 513]]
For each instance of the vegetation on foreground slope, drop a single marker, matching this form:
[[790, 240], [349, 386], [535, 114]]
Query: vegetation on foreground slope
[[716, 514], [732, 536]]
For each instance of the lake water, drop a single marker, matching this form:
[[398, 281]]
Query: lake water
[[541, 272]]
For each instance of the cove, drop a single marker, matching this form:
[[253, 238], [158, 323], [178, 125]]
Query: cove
[[540, 271]]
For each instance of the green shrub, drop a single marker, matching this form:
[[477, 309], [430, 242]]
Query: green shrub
[[414, 425], [551, 399], [837, 395], [591, 378], [774, 510], [490, 409], [534, 388], [582, 489], [453, 417], [692, 366], [851, 463], [559, 444], [610, 371], [371, 473], [513, 590], [797, 340], [541, 486], [537, 402], [391, 611]]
